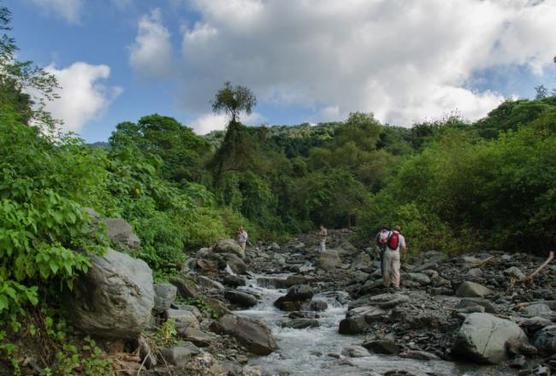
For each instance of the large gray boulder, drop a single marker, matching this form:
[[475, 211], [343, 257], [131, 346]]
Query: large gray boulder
[[482, 338], [115, 298], [251, 333], [545, 340], [300, 292], [228, 246], [121, 233], [359, 319], [470, 289]]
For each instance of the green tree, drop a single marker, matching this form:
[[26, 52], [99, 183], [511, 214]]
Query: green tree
[[19, 77], [233, 100], [182, 152]]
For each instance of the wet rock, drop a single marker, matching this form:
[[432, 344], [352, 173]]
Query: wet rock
[[294, 298], [301, 323], [482, 338], [228, 246], [121, 233], [251, 333], [303, 315], [187, 288], [296, 279], [300, 292], [384, 346], [470, 289], [210, 283], [358, 320], [233, 280], [115, 298], [420, 355], [164, 296], [355, 351], [318, 305], [272, 282], [240, 298], [545, 340], [285, 304], [180, 355]]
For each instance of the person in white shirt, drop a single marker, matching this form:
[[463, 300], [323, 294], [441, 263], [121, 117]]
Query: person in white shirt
[[242, 238], [322, 236], [396, 244]]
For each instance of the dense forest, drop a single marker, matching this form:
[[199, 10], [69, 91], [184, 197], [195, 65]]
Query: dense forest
[[451, 185]]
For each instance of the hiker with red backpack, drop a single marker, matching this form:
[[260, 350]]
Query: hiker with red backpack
[[381, 239], [394, 245]]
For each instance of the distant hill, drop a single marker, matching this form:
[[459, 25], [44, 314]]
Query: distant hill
[[293, 139], [100, 145]]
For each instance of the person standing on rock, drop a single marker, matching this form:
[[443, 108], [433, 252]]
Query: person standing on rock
[[381, 239], [242, 238], [323, 233], [394, 245]]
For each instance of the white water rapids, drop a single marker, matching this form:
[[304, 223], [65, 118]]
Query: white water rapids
[[317, 351]]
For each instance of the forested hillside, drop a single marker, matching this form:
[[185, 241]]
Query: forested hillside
[[452, 186]]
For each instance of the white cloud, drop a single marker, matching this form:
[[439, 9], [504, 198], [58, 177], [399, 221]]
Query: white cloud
[[82, 97], [208, 122], [405, 61], [151, 54], [70, 10]]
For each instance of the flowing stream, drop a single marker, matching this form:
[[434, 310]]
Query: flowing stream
[[317, 351]]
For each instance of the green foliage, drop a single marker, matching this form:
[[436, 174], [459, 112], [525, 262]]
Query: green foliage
[[45, 236], [43, 331], [463, 191], [181, 151], [167, 333]]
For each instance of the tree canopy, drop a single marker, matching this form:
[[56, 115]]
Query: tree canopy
[[233, 100]]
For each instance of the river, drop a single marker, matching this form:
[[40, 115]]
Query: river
[[318, 351]]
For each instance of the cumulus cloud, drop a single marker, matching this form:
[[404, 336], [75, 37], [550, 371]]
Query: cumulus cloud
[[208, 122], [70, 10], [404, 61], [82, 96], [151, 53]]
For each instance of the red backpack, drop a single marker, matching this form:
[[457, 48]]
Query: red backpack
[[394, 240]]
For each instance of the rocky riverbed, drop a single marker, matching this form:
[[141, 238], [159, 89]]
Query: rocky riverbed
[[290, 310]]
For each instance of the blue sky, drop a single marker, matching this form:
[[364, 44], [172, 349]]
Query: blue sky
[[310, 61]]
